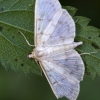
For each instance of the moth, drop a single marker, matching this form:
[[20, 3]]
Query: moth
[[54, 49]]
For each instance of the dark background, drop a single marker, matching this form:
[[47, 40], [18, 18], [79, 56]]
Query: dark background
[[15, 86]]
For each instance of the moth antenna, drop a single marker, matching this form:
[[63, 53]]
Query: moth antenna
[[26, 39], [87, 53]]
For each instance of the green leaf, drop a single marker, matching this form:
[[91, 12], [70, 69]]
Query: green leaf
[[19, 15], [14, 16]]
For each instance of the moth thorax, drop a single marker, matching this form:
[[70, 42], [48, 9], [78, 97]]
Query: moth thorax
[[37, 53]]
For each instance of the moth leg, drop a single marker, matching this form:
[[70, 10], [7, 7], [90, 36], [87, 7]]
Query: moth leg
[[76, 20], [88, 53], [26, 39], [39, 67]]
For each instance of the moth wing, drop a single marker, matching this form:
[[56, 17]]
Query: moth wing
[[45, 10], [64, 73]]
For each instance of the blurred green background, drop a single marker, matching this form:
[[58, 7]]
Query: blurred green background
[[15, 86]]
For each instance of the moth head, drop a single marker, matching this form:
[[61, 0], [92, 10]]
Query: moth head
[[31, 55]]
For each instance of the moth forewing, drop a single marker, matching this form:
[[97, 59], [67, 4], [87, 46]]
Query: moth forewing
[[44, 13]]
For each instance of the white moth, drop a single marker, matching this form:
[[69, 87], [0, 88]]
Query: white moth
[[54, 48]]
